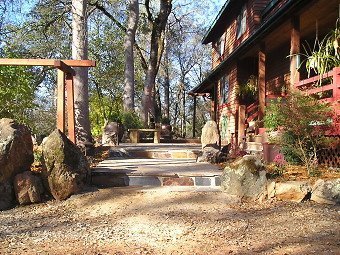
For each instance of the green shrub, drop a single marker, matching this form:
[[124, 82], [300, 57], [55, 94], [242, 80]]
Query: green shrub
[[302, 121]]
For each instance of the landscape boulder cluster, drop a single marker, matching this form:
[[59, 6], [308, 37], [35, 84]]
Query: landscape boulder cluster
[[246, 179], [65, 169]]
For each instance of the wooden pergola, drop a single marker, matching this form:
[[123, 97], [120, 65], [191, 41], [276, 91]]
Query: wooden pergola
[[66, 74]]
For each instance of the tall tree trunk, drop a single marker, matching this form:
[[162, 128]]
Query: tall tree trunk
[[158, 104], [157, 29], [183, 114], [79, 51], [129, 88], [166, 84]]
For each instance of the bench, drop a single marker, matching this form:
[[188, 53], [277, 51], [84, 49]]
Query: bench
[[135, 134]]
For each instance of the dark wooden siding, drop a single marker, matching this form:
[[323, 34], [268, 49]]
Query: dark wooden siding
[[277, 71], [254, 9], [272, 7]]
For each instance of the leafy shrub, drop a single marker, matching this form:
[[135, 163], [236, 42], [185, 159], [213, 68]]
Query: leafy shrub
[[303, 122]]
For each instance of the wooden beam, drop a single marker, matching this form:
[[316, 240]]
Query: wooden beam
[[45, 62], [62, 66], [262, 81], [70, 108], [61, 101], [294, 50]]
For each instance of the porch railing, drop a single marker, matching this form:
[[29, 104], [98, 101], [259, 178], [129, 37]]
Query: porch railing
[[329, 86], [328, 90], [252, 112]]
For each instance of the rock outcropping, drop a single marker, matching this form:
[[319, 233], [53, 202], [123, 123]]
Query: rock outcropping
[[67, 169], [16, 156]]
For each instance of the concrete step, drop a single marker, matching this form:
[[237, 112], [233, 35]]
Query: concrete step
[[110, 179], [160, 151]]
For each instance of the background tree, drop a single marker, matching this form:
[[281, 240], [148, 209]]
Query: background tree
[[129, 88], [80, 51], [157, 23]]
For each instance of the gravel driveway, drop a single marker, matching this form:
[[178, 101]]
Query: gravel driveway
[[161, 221]]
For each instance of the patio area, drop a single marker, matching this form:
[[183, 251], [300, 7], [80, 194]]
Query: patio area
[[155, 165]]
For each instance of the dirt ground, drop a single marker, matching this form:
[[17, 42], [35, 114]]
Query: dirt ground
[[160, 221]]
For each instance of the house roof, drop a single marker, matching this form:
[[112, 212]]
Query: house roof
[[265, 28]]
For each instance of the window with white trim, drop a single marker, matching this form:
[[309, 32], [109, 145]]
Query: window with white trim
[[241, 22], [220, 45]]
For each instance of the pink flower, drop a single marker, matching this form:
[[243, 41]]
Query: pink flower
[[279, 160]]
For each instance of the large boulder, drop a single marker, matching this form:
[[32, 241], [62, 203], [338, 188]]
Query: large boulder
[[326, 191], [245, 178], [28, 188], [16, 156], [210, 134], [67, 169]]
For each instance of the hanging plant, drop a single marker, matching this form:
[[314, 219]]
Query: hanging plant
[[325, 54], [248, 92]]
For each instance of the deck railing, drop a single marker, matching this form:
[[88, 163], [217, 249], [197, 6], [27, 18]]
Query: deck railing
[[327, 86], [327, 89], [252, 112]]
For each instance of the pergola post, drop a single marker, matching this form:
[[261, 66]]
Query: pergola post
[[70, 108], [61, 101], [64, 81]]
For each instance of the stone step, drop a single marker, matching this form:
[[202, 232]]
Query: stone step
[[155, 154], [109, 179]]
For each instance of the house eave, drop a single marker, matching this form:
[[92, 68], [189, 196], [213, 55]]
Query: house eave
[[213, 27]]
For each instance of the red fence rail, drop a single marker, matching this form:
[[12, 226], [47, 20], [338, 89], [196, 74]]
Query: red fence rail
[[327, 89], [252, 112]]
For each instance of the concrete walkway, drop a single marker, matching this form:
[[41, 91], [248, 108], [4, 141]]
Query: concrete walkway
[[155, 165]]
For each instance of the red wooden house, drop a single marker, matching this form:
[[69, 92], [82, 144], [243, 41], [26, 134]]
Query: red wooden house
[[253, 46]]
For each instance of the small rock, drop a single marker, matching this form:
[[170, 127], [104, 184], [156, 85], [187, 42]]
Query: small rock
[[294, 191], [28, 188], [326, 192], [210, 154]]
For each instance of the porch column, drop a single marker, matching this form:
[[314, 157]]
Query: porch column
[[61, 101], [194, 118], [294, 50], [262, 81], [241, 122], [214, 103]]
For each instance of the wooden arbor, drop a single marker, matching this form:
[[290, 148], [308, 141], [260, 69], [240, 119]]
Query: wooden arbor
[[64, 85]]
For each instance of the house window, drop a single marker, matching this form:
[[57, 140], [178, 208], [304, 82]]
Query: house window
[[241, 22], [224, 89], [220, 45]]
